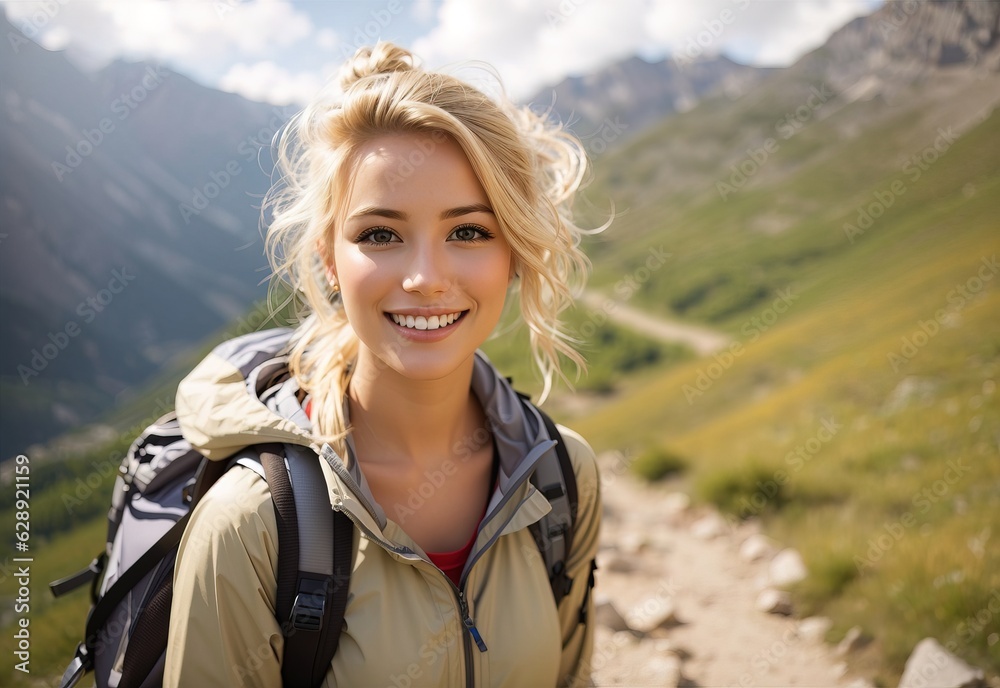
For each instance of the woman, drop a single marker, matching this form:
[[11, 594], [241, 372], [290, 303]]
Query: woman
[[410, 207]]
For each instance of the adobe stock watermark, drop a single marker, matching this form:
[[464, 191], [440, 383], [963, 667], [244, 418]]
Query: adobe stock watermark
[[901, 11], [752, 330], [85, 487], [31, 26], [763, 660], [625, 288], [796, 460], [882, 199], [122, 107], [620, 464], [698, 44], [607, 132], [922, 501], [446, 641], [256, 658], [415, 159], [88, 310], [785, 128], [987, 616], [639, 616], [958, 298], [220, 179]]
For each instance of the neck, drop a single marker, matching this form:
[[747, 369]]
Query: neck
[[396, 419]]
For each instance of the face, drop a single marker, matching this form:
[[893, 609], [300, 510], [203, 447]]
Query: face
[[422, 266]]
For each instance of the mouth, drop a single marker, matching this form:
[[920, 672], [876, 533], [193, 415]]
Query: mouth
[[423, 322]]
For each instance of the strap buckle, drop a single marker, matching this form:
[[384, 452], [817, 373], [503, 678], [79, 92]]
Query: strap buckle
[[309, 606]]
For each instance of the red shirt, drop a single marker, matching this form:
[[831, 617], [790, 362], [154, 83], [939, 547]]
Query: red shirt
[[452, 563]]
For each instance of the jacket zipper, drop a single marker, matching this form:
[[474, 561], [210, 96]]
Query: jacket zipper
[[467, 621], [470, 626]]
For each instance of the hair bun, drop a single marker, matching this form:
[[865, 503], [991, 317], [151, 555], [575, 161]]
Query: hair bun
[[384, 58]]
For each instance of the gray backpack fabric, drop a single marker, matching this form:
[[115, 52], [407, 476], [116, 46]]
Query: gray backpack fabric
[[159, 483]]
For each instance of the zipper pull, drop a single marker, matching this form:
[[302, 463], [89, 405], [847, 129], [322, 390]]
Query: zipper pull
[[470, 624]]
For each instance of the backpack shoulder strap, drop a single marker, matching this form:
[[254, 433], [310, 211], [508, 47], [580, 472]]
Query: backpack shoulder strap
[[555, 478], [314, 563]]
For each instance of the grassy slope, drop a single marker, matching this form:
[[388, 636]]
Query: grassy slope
[[827, 357], [56, 626]]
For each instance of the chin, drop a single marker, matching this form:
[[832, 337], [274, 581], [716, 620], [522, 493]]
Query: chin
[[429, 366]]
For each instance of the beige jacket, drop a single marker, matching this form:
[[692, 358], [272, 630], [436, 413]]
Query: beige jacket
[[404, 622]]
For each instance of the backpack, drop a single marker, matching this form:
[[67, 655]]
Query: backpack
[[161, 480]]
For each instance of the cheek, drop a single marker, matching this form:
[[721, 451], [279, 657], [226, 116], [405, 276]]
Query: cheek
[[490, 266], [353, 266], [361, 283]]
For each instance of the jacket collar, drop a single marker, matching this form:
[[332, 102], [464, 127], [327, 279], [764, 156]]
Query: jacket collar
[[241, 395]]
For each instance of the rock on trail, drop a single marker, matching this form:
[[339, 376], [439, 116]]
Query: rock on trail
[[679, 605]]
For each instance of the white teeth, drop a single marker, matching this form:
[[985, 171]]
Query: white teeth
[[421, 322]]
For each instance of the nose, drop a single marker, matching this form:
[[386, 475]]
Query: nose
[[428, 272]]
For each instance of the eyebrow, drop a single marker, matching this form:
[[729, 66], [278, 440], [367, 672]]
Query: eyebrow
[[391, 214]]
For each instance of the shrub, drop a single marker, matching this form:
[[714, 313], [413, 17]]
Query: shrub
[[658, 463], [750, 490]]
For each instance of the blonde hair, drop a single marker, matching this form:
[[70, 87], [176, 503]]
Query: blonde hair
[[529, 168]]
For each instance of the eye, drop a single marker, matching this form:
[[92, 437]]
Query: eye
[[470, 233], [377, 236]]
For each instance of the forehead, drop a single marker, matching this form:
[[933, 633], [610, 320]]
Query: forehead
[[424, 169]]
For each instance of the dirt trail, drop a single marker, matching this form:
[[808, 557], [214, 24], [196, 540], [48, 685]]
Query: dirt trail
[[657, 556], [701, 339]]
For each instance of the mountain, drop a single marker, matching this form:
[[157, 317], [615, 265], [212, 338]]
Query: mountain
[[839, 223], [131, 201], [617, 102]]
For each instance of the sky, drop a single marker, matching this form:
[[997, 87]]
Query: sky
[[284, 51]]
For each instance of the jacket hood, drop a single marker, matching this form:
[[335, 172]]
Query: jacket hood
[[241, 395]]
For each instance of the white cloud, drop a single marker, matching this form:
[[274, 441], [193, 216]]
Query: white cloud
[[327, 39], [535, 43], [805, 26], [193, 36], [267, 82], [422, 10], [251, 46]]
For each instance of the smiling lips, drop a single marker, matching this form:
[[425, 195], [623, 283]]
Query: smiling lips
[[420, 322]]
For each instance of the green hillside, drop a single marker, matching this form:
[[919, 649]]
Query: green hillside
[[856, 413]]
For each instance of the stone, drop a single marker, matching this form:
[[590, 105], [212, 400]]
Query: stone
[[624, 638], [654, 615], [771, 601], [931, 666], [814, 628], [608, 615], [709, 527], [666, 645], [661, 670], [860, 683], [676, 503], [632, 543], [853, 640], [617, 564], [757, 547], [787, 568]]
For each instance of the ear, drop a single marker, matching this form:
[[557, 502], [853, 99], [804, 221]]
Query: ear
[[512, 273], [329, 264]]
